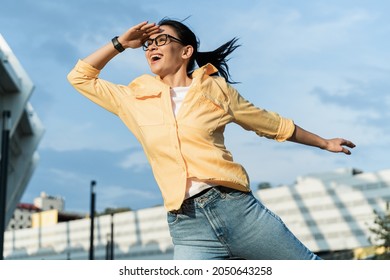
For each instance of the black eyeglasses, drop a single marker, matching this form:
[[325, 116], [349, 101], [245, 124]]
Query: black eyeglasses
[[160, 40]]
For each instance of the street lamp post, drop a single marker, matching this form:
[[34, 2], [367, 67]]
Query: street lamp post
[[112, 237], [92, 216], [110, 241], [3, 176]]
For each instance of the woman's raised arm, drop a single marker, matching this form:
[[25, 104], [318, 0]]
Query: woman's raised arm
[[132, 38]]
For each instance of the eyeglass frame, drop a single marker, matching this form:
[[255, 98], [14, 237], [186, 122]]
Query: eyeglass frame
[[154, 41]]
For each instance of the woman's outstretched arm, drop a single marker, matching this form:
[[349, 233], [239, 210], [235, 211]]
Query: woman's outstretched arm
[[336, 145]]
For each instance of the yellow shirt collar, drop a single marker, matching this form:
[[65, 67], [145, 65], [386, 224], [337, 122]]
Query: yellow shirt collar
[[207, 69], [147, 85]]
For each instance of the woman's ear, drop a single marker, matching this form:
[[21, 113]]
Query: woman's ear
[[187, 52]]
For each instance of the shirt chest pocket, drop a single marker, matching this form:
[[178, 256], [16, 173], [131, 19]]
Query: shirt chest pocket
[[206, 113], [149, 110]]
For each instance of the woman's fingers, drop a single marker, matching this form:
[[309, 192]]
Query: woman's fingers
[[145, 27]]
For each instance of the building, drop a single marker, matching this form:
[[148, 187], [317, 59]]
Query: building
[[22, 216], [329, 212], [48, 202], [26, 129], [46, 210]]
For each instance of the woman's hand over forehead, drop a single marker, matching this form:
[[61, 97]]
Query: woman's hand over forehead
[[135, 36]]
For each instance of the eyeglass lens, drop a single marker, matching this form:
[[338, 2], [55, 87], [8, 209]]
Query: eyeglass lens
[[160, 40]]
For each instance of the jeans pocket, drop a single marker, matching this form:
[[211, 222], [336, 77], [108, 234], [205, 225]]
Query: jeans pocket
[[233, 194], [172, 218]]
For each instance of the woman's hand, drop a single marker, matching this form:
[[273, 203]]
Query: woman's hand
[[338, 145], [138, 34], [132, 38], [335, 145]]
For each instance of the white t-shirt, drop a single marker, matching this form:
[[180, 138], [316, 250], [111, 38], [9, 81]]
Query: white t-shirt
[[177, 96], [194, 186]]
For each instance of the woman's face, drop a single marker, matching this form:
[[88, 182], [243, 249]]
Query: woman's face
[[166, 59]]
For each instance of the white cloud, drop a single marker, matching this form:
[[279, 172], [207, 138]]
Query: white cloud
[[124, 196], [104, 133], [136, 161], [67, 178]]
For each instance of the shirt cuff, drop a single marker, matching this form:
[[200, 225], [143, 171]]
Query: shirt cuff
[[286, 130]]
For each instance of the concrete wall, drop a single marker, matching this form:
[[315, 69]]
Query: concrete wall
[[139, 234], [330, 214], [26, 129], [327, 213]]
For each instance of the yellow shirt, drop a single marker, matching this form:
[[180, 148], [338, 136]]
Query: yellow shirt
[[192, 144]]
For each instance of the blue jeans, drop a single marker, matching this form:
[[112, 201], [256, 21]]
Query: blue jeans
[[227, 224]]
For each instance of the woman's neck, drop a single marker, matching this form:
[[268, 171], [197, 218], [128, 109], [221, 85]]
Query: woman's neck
[[179, 79]]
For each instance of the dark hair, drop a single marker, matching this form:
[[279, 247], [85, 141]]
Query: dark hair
[[218, 57]]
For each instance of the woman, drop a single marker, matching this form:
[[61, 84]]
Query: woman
[[179, 116]]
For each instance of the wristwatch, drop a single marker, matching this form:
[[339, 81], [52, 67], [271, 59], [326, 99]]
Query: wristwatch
[[118, 46]]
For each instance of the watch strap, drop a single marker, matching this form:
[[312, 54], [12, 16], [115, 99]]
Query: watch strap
[[118, 46]]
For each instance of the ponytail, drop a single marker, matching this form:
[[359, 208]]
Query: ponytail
[[218, 57]]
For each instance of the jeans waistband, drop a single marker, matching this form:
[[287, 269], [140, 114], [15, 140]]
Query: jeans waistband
[[203, 197], [200, 193]]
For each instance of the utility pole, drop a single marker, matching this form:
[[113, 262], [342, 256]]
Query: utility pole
[[3, 176], [112, 237], [92, 217], [110, 241]]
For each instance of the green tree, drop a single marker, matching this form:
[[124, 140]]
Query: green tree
[[264, 185], [381, 231]]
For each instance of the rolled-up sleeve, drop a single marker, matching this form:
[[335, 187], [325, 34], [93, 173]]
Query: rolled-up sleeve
[[85, 79], [264, 123]]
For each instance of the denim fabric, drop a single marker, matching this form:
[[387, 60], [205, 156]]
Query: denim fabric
[[228, 224]]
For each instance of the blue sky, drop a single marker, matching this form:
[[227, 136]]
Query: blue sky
[[324, 63]]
